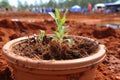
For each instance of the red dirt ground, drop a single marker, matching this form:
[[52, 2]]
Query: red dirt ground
[[14, 25]]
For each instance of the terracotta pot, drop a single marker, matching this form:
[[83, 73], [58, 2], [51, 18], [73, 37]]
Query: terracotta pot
[[76, 69]]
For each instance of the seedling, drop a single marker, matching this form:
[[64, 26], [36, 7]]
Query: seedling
[[60, 33], [41, 36], [61, 30]]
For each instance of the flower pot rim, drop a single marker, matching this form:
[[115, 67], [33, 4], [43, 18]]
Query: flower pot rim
[[52, 64]]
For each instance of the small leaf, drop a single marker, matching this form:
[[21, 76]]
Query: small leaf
[[63, 20], [57, 22], [63, 31], [70, 42], [64, 17], [54, 37], [57, 13], [57, 34], [63, 28], [52, 15], [42, 34]]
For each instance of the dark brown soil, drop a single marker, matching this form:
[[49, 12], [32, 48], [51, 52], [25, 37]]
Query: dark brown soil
[[78, 24], [53, 49]]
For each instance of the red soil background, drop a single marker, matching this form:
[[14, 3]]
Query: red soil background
[[14, 25]]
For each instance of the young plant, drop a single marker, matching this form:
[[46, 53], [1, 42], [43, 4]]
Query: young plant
[[60, 33], [41, 36], [61, 30]]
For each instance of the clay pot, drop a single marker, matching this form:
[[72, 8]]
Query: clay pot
[[28, 69]]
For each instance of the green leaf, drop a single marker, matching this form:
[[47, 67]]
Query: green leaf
[[63, 20], [63, 31], [57, 34], [64, 17], [57, 13], [42, 34], [57, 22]]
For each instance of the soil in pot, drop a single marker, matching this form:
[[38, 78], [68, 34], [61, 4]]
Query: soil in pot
[[50, 49]]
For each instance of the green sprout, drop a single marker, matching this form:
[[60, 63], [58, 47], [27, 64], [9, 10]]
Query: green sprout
[[61, 30], [70, 41], [60, 33], [41, 36]]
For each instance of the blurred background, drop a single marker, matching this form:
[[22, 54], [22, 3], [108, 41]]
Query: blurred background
[[44, 6]]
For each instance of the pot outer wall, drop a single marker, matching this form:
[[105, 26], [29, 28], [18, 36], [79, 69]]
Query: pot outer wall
[[23, 73], [76, 69]]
